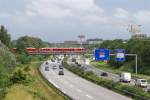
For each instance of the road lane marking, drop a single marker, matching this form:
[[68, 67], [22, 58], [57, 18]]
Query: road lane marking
[[89, 96]]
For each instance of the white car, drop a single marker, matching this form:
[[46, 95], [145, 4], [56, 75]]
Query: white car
[[141, 82]]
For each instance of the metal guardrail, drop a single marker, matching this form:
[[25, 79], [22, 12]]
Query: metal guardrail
[[135, 95], [67, 97]]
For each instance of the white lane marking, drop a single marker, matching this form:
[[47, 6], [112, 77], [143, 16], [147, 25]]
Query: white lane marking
[[79, 90], [89, 96]]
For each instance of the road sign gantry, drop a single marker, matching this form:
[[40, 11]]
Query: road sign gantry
[[104, 54]]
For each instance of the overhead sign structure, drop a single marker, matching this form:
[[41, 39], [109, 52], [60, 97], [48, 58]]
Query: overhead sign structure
[[102, 54], [120, 55]]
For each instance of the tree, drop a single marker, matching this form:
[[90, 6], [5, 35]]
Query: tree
[[4, 36], [26, 42]]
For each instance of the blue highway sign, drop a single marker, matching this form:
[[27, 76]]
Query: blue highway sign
[[120, 55], [102, 54]]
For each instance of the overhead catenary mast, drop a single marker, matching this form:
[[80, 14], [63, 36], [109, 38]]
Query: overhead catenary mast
[[81, 37]]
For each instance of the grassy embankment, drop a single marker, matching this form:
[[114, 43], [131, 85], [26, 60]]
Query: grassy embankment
[[37, 89]]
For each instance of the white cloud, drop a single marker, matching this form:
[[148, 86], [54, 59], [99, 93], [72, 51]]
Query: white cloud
[[142, 16], [63, 8], [46, 8], [47, 16], [121, 13]]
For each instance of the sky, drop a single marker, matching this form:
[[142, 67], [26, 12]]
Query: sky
[[59, 20]]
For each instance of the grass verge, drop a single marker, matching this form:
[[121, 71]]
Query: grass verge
[[37, 89]]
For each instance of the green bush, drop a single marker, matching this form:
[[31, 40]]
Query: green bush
[[23, 58], [20, 77], [27, 69]]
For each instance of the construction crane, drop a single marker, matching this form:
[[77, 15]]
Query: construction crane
[[134, 29]]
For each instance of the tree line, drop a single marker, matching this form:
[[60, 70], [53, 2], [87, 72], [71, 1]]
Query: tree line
[[141, 47]]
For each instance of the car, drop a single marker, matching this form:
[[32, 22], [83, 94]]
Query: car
[[46, 63], [73, 60], [54, 67], [46, 68], [104, 74], [53, 60], [61, 67], [61, 72], [79, 65], [76, 62], [141, 83]]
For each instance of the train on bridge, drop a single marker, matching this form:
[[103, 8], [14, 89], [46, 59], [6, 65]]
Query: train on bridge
[[54, 50]]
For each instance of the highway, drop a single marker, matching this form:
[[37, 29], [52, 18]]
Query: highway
[[77, 87], [96, 71]]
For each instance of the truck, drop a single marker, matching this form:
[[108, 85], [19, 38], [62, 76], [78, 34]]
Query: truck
[[125, 77]]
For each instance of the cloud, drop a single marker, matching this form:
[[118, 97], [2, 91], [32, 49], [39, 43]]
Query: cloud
[[121, 13], [66, 17], [143, 16], [46, 8], [64, 8]]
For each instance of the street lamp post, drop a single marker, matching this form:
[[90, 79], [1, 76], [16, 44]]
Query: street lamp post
[[136, 67]]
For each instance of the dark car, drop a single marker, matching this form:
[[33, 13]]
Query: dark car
[[53, 60], [76, 62], [61, 72], [61, 67], [104, 74], [79, 65], [46, 63], [46, 68]]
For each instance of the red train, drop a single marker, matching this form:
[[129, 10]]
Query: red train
[[55, 50]]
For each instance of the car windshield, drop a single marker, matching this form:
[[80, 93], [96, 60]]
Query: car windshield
[[143, 81]]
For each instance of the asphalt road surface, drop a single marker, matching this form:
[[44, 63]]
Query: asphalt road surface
[[76, 87]]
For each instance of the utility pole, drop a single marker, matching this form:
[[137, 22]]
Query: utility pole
[[136, 66]]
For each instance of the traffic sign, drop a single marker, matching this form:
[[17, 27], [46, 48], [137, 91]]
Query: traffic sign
[[102, 54], [120, 55]]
